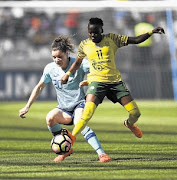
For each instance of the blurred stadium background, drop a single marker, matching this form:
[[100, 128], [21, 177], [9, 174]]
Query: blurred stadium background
[[27, 30]]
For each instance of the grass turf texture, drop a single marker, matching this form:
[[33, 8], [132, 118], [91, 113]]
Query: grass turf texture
[[25, 144]]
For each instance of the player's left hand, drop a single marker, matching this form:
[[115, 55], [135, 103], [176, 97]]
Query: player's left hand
[[158, 30]]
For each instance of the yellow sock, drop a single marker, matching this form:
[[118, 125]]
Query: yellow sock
[[134, 112], [89, 109]]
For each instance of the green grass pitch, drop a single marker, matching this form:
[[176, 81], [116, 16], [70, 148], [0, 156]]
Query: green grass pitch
[[25, 144]]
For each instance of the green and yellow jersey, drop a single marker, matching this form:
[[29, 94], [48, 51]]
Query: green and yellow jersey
[[101, 57]]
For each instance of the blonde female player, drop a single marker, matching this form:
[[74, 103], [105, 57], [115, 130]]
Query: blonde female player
[[104, 79], [71, 97]]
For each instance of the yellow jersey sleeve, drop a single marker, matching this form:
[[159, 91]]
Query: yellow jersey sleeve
[[119, 40], [81, 53], [101, 57]]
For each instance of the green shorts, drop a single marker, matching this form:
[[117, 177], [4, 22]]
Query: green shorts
[[113, 91]]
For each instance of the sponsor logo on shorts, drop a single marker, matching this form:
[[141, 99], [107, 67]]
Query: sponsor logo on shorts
[[92, 88]]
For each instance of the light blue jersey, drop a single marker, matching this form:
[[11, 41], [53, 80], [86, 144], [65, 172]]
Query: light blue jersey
[[68, 95]]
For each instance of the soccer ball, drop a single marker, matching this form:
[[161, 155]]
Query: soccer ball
[[61, 144]]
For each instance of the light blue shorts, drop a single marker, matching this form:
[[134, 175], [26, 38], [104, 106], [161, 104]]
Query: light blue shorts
[[72, 113]]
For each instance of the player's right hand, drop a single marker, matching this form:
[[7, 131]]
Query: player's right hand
[[83, 83], [64, 79], [23, 111]]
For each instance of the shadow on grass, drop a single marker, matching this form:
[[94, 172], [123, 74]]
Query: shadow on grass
[[112, 128], [24, 144], [107, 141], [93, 165], [22, 128], [85, 167], [39, 178], [81, 162]]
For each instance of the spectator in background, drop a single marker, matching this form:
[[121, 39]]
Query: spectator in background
[[35, 23], [40, 30], [59, 26], [7, 24], [146, 50], [72, 22]]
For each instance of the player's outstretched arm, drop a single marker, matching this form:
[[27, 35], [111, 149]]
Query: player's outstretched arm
[[35, 93], [71, 70], [143, 37]]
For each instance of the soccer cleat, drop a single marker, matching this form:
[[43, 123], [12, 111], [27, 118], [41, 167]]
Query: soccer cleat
[[62, 157], [135, 130], [104, 158], [65, 131]]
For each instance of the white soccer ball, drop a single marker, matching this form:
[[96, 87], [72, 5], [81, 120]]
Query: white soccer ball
[[61, 144]]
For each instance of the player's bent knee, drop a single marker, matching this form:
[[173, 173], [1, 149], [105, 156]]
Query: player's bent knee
[[133, 110], [50, 119], [136, 113]]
